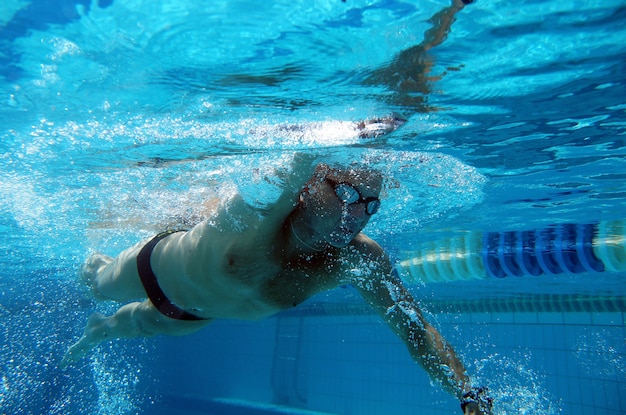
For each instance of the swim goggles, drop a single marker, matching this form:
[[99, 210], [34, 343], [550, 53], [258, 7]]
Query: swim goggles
[[350, 195]]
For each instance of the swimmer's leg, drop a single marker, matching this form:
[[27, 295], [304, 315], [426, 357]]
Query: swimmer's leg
[[114, 278], [90, 270], [130, 321], [87, 342]]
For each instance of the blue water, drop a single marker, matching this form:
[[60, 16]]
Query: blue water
[[117, 118]]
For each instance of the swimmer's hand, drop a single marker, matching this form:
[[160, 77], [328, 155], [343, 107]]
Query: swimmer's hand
[[376, 127], [87, 342], [477, 402]]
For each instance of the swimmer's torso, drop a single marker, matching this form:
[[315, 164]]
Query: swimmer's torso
[[223, 269]]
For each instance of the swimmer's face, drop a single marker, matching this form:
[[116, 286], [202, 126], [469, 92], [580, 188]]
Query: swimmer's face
[[342, 203]]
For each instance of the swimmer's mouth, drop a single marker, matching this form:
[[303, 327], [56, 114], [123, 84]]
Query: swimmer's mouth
[[345, 232], [342, 236]]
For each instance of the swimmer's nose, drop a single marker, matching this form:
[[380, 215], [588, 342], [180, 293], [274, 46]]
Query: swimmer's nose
[[358, 213]]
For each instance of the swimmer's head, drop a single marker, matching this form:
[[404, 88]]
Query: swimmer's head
[[338, 203]]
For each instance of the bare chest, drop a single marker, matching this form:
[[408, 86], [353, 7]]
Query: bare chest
[[296, 282]]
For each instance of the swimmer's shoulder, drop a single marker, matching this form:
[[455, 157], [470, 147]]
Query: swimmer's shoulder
[[363, 245], [366, 254]]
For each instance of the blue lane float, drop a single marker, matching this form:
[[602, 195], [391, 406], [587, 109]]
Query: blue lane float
[[560, 249]]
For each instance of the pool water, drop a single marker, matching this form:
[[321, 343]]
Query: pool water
[[119, 118]]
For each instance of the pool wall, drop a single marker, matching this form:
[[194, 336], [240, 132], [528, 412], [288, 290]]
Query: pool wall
[[343, 360]]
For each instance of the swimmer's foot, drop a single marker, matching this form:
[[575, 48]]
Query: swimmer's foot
[[91, 268], [94, 334], [376, 127]]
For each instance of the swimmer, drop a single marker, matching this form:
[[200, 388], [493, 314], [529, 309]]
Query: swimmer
[[246, 264]]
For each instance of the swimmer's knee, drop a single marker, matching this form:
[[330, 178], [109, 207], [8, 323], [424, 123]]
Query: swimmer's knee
[[91, 271], [150, 322], [146, 328], [93, 266], [96, 320]]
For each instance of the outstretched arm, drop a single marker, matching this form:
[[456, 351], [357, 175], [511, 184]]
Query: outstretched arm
[[384, 291]]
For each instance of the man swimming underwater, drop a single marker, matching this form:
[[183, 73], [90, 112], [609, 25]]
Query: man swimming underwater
[[240, 264]]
